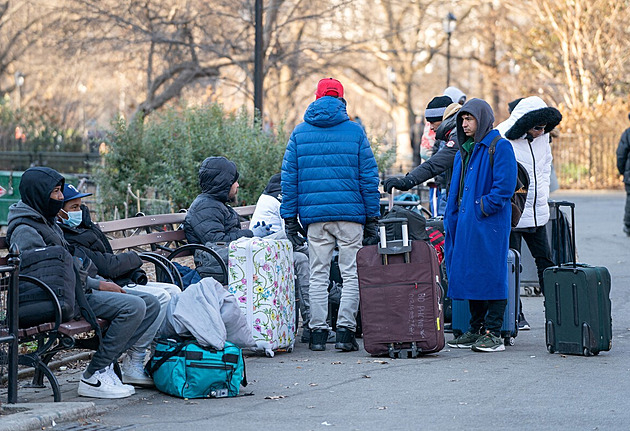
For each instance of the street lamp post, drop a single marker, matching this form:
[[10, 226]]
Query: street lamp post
[[19, 82], [449, 23], [258, 59]]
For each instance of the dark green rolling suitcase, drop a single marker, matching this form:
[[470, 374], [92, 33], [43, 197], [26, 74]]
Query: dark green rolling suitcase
[[577, 305]]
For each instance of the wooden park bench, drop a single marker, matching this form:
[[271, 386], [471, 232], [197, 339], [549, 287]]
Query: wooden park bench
[[157, 238]]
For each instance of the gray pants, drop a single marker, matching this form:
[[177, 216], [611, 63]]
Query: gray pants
[[163, 292], [302, 283], [130, 315], [322, 238]]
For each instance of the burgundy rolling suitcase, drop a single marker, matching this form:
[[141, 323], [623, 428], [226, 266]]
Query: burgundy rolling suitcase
[[400, 296]]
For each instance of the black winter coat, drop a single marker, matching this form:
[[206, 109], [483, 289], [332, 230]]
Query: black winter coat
[[442, 161], [88, 238], [623, 156], [210, 218]]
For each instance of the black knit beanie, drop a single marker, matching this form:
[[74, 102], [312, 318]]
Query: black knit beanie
[[436, 107]]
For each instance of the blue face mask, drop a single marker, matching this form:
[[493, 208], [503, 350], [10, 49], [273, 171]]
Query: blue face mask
[[74, 218]]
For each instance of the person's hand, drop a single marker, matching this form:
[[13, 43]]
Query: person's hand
[[261, 229], [370, 231], [293, 229], [108, 286], [400, 183]]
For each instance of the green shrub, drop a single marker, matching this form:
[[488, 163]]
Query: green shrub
[[160, 158]]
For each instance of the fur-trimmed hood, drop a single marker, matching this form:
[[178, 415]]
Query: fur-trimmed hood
[[531, 111]]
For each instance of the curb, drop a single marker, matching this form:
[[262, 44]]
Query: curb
[[39, 415]]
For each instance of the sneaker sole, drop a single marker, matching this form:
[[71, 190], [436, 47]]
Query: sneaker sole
[[145, 383], [89, 393], [524, 328], [346, 347], [499, 348]]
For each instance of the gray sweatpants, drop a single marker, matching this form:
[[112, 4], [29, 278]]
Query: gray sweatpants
[[163, 292], [322, 237], [130, 314], [302, 283]]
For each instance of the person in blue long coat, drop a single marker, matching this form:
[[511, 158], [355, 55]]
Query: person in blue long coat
[[477, 225]]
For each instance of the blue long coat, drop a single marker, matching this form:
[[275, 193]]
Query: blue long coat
[[478, 228]]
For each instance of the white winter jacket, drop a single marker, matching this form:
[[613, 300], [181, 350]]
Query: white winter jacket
[[535, 156]]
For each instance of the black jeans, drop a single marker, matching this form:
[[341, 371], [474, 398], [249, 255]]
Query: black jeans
[[538, 245], [487, 315], [626, 217]]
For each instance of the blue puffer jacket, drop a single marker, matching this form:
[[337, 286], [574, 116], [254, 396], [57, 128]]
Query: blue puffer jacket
[[329, 172]]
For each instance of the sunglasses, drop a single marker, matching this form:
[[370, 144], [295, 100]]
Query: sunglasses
[[539, 128]]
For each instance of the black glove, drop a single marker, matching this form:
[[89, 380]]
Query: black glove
[[400, 183], [293, 229], [370, 231]]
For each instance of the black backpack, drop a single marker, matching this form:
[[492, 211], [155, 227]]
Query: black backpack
[[519, 198], [54, 266]]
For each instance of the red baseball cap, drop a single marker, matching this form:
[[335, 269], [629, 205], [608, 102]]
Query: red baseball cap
[[329, 87]]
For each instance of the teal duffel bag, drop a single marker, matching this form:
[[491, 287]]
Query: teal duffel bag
[[188, 370]]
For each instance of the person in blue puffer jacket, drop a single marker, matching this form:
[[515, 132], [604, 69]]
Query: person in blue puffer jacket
[[330, 180]]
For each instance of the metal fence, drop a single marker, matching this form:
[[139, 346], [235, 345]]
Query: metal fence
[[586, 162], [9, 325]]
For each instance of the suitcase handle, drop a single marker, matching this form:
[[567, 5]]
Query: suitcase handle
[[559, 204]]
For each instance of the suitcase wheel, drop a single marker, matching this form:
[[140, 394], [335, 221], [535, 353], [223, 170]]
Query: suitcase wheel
[[550, 348], [529, 291], [586, 352], [509, 341]]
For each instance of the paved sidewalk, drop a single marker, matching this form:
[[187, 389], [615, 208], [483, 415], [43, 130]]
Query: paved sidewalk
[[522, 388]]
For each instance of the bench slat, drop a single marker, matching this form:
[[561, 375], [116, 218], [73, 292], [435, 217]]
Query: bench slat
[[141, 222], [76, 327], [246, 210], [147, 239]]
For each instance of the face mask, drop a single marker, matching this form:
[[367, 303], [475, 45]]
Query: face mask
[[54, 206], [74, 218]]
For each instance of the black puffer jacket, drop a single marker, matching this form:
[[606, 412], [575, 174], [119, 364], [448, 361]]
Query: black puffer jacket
[[623, 156], [90, 240], [210, 218], [442, 161]]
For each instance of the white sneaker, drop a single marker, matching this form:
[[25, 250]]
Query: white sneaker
[[133, 372], [116, 381], [101, 386]]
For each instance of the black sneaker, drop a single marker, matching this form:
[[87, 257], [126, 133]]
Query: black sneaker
[[346, 340], [318, 339], [523, 324], [626, 230]]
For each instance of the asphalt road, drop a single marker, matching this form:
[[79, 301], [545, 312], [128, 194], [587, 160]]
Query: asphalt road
[[522, 388]]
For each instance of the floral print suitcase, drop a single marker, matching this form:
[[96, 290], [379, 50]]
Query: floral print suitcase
[[261, 276]]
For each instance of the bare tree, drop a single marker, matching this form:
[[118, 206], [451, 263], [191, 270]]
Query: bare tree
[[19, 31]]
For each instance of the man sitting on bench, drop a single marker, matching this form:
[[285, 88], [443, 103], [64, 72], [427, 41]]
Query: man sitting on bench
[[32, 226], [122, 268]]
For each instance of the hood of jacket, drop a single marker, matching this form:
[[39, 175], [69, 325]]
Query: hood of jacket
[[19, 211], [36, 186], [529, 112], [274, 187], [444, 129], [326, 111], [216, 176], [481, 110]]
